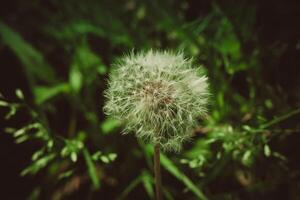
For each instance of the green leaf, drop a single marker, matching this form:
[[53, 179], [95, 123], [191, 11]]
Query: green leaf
[[32, 60], [147, 180], [19, 94], [37, 154], [96, 156], [74, 156], [247, 159], [65, 151], [38, 165], [167, 194], [104, 159], [20, 132], [130, 187], [101, 69], [21, 139], [112, 156], [12, 112], [267, 150], [75, 79], [92, 171], [170, 167], [4, 103], [280, 156], [35, 194], [26, 128], [43, 94], [9, 130], [66, 174], [50, 144], [109, 125], [75, 28], [85, 59], [269, 103]]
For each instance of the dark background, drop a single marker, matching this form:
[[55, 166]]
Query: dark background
[[266, 63]]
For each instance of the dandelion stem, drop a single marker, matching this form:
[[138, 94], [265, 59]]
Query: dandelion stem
[[157, 173]]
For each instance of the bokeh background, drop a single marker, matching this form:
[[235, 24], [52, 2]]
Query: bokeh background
[[56, 143]]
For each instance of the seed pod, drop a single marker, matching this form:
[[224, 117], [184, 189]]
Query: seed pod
[[159, 96]]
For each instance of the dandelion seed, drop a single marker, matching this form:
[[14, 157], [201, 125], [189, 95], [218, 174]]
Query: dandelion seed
[[159, 95]]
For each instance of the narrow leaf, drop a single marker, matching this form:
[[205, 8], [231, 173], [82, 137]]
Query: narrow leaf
[[130, 187], [148, 182], [169, 166], [91, 168], [19, 94], [32, 60], [43, 94]]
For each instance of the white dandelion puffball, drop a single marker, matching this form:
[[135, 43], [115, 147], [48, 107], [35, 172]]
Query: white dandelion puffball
[[159, 96]]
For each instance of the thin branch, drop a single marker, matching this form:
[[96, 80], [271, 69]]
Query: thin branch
[[281, 118]]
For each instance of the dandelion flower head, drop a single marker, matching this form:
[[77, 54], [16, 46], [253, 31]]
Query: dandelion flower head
[[159, 95]]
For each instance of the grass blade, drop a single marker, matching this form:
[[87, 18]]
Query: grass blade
[[91, 169], [130, 187], [32, 59], [169, 165]]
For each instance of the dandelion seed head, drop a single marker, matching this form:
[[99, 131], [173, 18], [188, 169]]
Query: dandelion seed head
[[159, 96]]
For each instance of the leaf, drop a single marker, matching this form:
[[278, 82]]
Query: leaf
[[9, 130], [101, 69], [75, 28], [109, 125], [267, 150], [20, 132], [12, 112], [169, 166], [96, 156], [85, 59], [74, 156], [26, 128], [148, 182], [247, 159], [92, 171], [167, 194], [38, 165], [43, 94], [4, 103], [280, 156], [66, 174], [75, 79], [21, 139], [37, 154], [33, 60], [130, 187], [112, 156], [50, 144], [104, 159], [35, 194], [65, 151], [19, 94]]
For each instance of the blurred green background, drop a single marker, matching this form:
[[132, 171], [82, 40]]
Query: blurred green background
[[55, 58]]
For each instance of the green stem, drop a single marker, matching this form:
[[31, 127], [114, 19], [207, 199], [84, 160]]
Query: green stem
[[281, 118], [157, 173]]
